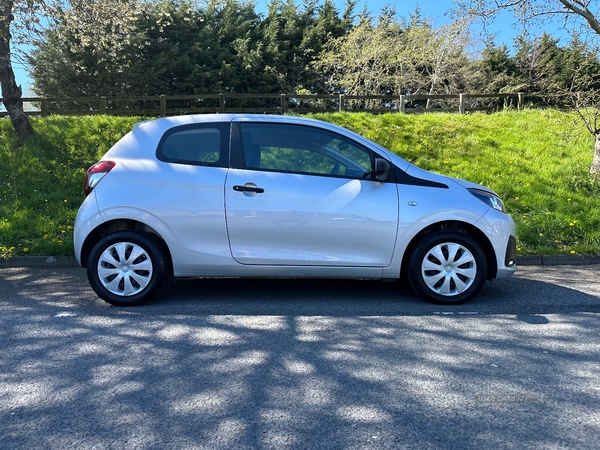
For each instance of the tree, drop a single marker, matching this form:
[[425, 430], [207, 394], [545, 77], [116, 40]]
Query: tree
[[107, 28], [496, 71], [149, 51], [184, 47], [293, 35], [232, 27], [25, 14], [582, 15], [388, 57], [584, 93], [87, 52], [164, 47], [438, 55], [549, 69], [365, 61]]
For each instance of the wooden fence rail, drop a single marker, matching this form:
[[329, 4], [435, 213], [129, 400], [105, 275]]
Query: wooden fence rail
[[165, 105]]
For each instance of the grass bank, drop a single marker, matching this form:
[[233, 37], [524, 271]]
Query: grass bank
[[41, 183], [536, 160]]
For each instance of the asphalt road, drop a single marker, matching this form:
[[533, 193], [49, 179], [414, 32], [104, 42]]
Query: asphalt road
[[224, 364]]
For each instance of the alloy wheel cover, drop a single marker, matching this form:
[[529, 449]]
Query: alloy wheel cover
[[125, 269], [449, 269]]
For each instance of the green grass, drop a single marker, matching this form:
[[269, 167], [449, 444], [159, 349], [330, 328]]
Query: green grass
[[537, 160], [41, 183]]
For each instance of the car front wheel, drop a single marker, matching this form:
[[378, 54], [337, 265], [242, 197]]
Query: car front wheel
[[447, 267], [126, 268]]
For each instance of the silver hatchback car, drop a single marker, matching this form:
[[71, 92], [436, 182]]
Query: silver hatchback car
[[232, 195]]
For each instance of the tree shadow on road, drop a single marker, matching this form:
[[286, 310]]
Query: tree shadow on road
[[297, 364]]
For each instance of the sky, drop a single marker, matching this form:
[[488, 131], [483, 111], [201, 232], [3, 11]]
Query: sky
[[505, 28]]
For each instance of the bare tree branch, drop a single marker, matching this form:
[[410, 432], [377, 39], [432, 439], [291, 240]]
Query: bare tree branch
[[583, 11]]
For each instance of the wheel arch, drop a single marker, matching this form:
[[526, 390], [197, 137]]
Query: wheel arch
[[115, 225], [462, 227]]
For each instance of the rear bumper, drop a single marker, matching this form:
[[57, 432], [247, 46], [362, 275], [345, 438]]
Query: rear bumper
[[88, 218]]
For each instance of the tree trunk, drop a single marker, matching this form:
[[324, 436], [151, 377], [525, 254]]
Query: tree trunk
[[11, 92], [595, 168]]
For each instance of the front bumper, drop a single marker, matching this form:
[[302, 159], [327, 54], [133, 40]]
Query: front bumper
[[501, 231]]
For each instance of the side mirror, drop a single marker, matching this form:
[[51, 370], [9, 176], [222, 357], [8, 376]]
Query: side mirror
[[382, 169]]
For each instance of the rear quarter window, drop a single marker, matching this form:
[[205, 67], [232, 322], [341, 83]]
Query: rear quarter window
[[198, 144]]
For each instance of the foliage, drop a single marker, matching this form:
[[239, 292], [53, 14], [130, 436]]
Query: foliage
[[95, 53], [388, 57], [182, 47], [552, 71], [186, 47], [292, 36], [365, 61], [497, 71], [535, 159]]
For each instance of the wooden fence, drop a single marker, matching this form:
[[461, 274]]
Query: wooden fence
[[168, 105]]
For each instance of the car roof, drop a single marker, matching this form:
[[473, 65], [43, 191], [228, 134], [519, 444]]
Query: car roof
[[169, 122], [155, 128]]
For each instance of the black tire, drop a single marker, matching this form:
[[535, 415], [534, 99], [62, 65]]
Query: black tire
[[126, 268], [447, 267]]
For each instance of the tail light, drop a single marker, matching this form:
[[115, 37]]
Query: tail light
[[95, 174]]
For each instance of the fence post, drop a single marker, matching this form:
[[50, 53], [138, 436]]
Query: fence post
[[222, 103], [521, 100], [342, 103], [461, 103], [283, 103], [402, 104], [163, 105], [44, 107], [102, 105]]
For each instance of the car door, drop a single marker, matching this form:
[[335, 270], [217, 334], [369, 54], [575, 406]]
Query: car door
[[305, 196]]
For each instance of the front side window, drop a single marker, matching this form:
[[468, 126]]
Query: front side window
[[205, 145], [302, 149]]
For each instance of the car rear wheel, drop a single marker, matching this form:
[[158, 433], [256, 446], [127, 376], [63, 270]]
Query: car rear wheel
[[126, 268], [447, 267]]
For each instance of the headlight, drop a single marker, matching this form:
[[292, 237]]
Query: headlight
[[488, 198]]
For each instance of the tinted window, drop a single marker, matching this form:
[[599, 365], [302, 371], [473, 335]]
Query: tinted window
[[196, 144], [301, 149]]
